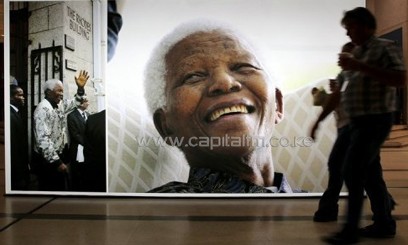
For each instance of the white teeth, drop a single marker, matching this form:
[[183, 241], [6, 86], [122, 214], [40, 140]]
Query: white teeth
[[233, 109]]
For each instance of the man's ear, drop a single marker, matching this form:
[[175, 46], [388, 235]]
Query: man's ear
[[279, 106], [159, 119]]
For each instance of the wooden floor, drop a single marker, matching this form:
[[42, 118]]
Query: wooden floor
[[42, 220]]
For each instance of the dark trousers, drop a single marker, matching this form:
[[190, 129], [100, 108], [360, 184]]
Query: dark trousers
[[328, 203], [50, 179], [363, 171], [48, 176], [77, 175]]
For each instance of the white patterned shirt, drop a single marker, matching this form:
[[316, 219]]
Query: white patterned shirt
[[50, 127]]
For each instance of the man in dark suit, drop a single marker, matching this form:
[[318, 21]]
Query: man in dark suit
[[76, 127], [20, 174], [95, 152]]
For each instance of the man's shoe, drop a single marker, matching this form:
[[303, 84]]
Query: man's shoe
[[324, 216], [378, 231], [342, 237]]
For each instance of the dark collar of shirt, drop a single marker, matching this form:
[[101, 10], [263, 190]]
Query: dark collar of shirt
[[53, 104], [204, 180]]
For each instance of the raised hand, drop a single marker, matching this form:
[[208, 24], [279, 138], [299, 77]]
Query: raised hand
[[82, 78]]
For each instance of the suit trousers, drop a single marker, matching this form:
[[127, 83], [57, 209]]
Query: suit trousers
[[328, 203]]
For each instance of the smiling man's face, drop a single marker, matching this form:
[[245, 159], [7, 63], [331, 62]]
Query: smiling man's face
[[57, 94], [215, 88]]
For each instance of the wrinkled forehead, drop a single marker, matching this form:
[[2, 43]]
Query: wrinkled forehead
[[208, 44], [58, 87], [19, 91]]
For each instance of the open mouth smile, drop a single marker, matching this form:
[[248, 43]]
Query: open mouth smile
[[230, 110]]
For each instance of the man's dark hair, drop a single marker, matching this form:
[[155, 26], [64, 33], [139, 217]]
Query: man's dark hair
[[13, 90], [360, 15]]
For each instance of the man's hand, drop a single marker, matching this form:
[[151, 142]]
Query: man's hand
[[314, 129], [82, 79], [349, 63], [334, 86], [63, 168]]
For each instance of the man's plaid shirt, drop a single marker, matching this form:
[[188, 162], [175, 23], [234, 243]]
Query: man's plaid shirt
[[365, 95]]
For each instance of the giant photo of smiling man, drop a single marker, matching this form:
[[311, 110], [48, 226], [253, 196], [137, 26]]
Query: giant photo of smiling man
[[205, 87]]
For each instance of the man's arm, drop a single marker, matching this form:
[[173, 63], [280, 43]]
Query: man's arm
[[331, 104], [80, 96], [393, 78], [390, 76]]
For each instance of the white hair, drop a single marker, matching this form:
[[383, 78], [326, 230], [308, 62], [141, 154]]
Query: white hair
[[51, 83], [155, 72], [13, 81]]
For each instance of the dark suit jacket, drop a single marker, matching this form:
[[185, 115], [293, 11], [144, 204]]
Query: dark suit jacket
[[95, 151], [19, 152], [76, 129]]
